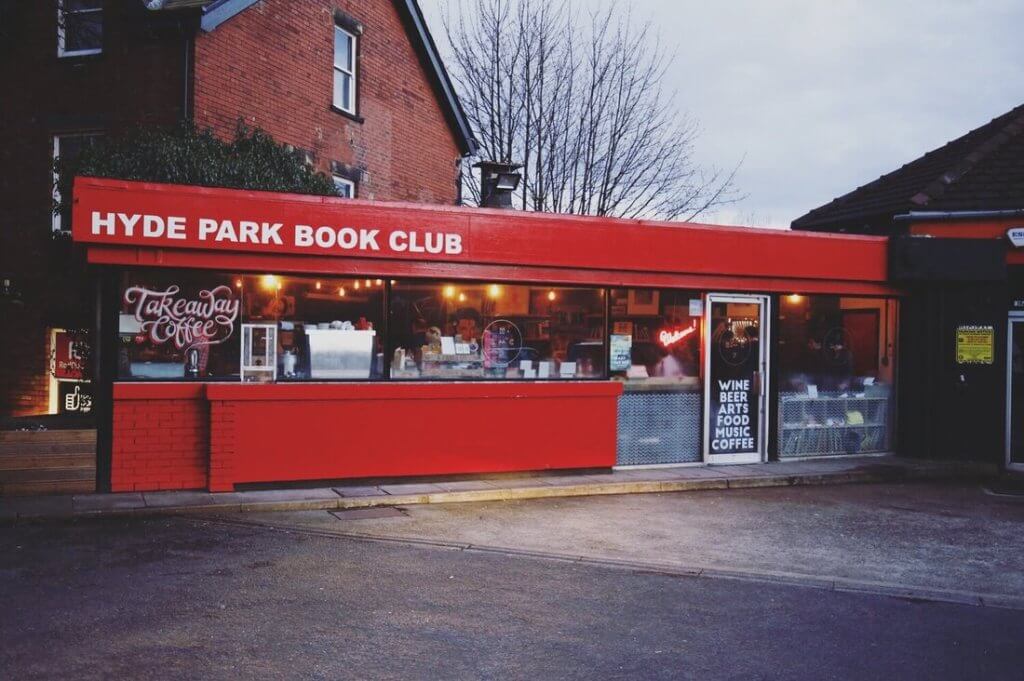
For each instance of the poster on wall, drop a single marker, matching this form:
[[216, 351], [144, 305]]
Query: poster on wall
[[621, 348], [69, 355], [975, 344], [735, 359]]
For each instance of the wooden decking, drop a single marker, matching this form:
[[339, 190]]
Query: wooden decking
[[47, 462]]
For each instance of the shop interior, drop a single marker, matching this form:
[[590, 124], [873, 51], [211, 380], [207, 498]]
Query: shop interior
[[451, 331], [833, 356], [836, 364]]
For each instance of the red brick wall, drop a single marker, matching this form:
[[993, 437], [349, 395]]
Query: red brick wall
[[24, 392], [159, 443], [273, 64]]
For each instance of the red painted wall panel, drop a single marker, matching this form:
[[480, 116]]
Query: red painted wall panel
[[291, 433], [187, 436]]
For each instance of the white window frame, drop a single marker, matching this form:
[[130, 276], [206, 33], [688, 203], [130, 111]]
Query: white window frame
[[61, 52], [56, 223], [353, 43], [340, 181]]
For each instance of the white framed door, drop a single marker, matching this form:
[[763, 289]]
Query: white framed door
[[736, 339], [1015, 392]]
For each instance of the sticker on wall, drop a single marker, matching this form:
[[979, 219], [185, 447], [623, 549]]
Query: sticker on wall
[[75, 397], [975, 345]]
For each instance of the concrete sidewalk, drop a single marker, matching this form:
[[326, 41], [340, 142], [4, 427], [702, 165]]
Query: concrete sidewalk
[[497, 488]]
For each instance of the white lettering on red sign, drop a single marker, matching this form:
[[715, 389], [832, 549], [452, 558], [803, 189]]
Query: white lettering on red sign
[[208, 320], [323, 237]]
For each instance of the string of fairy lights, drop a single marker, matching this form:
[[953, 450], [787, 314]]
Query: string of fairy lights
[[274, 283]]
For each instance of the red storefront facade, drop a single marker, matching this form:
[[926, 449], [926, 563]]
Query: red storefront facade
[[568, 317]]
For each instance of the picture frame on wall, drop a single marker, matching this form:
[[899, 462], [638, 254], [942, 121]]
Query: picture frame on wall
[[642, 302]]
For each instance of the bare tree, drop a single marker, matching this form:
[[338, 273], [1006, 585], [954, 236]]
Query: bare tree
[[578, 98]]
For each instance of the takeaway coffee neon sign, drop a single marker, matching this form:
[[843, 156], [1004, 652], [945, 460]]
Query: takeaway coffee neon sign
[[208, 319]]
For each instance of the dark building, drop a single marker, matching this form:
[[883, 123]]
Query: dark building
[[356, 87], [954, 215]]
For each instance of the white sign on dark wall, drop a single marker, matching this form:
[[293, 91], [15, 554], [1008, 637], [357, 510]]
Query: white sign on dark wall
[[1016, 236]]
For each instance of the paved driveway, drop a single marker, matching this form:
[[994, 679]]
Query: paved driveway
[[943, 540]]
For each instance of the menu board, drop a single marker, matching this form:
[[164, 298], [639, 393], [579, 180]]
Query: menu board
[[733, 383], [621, 348]]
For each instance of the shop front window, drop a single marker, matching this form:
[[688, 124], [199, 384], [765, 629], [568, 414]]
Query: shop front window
[[257, 328], [655, 349], [495, 331], [836, 367]]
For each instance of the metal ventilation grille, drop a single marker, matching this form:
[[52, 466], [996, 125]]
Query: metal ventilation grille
[[659, 427]]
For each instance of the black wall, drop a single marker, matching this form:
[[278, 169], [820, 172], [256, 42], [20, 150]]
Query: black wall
[[949, 410]]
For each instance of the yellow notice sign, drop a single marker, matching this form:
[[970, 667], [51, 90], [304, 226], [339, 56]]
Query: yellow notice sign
[[975, 344]]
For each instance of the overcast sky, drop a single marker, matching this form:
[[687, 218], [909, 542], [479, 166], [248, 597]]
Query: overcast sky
[[821, 96]]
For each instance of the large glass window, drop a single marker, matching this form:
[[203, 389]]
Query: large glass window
[[836, 367], [442, 330], [344, 70], [66, 148], [655, 348], [198, 325], [79, 27]]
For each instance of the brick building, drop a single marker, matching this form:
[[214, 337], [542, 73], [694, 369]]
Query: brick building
[[356, 87]]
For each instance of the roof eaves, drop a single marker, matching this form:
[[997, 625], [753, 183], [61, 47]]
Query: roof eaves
[[219, 11], [827, 213], [428, 49], [936, 188]]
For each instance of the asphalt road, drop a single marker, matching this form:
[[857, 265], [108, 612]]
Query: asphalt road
[[181, 598]]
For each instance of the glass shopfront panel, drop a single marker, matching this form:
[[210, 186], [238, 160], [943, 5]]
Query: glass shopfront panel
[[736, 364], [194, 325], [836, 360], [655, 349], [494, 331]]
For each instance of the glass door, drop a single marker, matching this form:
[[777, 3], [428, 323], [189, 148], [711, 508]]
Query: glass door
[[735, 370], [1015, 393]]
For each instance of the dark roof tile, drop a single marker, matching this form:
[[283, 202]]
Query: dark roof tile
[[982, 170]]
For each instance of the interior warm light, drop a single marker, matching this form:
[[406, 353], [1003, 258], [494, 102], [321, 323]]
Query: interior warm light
[[238, 283], [270, 282], [393, 282], [795, 298], [356, 285], [462, 297], [379, 282], [318, 286], [494, 290], [341, 292], [551, 295], [449, 291], [368, 284]]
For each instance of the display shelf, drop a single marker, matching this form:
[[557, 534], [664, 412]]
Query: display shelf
[[819, 426]]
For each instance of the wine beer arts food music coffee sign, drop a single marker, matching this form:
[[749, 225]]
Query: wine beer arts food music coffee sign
[[197, 218]]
